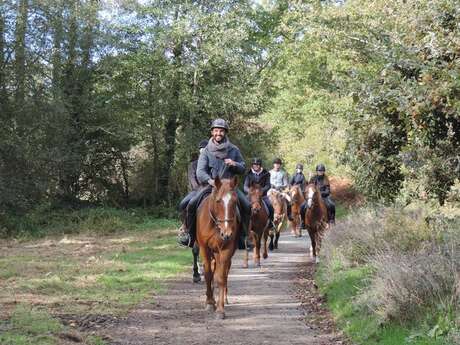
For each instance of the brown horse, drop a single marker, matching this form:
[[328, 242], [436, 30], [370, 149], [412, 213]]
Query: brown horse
[[297, 199], [260, 223], [218, 230], [316, 219], [279, 203]]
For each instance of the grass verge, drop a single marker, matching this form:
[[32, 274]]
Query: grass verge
[[71, 276], [389, 278]]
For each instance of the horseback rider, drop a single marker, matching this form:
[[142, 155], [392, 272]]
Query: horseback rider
[[194, 185], [220, 159], [298, 178], [259, 175], [279, 181], [322, 182]]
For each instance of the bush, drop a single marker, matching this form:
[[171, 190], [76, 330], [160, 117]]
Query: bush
[[414, 258]]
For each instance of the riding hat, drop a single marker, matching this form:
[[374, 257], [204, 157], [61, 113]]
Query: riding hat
[[277, 161], [257, 161], [320, 167], [299, 166], [202, 144], [220, 123]]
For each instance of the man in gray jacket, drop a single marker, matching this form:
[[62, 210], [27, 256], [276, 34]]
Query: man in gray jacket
[[220, 159]]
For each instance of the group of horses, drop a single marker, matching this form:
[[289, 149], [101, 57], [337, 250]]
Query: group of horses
[[218, 230]]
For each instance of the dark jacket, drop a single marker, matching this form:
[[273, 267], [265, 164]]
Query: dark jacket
[[322, 182], [298, 179], [210, 167], [263, 179], [193, 182]]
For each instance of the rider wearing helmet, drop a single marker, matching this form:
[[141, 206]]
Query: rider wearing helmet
[[220, 159], [298, 178], [322, 182], [259, 175], [194, 184], [279, 181]]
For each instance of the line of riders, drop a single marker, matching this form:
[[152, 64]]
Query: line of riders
[[219, 158]]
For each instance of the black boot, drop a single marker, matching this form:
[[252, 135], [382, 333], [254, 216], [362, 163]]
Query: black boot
[[289, 212]]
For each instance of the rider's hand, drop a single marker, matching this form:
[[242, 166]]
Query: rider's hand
[[229, 161], [211, 182]]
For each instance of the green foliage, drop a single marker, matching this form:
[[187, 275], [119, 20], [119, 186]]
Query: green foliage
[[45, 221]]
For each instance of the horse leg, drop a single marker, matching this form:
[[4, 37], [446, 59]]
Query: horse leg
[[265, 244], [226, 287], [312, 234], [196, 273], [257, 239], [271, 246], [208, 275], [277, 237], [221, 280], [245, 255]]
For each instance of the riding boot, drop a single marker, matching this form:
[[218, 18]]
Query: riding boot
[[289, 212], [303, 209], [245, 208]]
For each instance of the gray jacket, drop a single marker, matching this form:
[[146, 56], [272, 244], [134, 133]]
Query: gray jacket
[[210, 167], [278, 179]]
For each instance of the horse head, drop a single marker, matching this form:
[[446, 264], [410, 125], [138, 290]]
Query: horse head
[[311, 193], [223, 207], [296, 194], [255, 197], [279, 204]]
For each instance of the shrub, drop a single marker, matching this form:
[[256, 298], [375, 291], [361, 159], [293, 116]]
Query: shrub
[[414, 256]]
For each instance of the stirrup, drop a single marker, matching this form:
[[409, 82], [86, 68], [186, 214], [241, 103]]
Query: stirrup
[[183, 237]]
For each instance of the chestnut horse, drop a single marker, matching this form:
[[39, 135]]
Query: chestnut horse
[[260, 223], [279, 203], [316, 218], [218, 230], [297, 199]]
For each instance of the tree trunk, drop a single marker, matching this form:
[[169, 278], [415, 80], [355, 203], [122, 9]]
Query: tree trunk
[[20, 50], [56, 55], [2, 62]]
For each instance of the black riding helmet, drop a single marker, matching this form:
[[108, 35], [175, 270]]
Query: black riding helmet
[[320, 167], [220, 123], [277, 161], [256, 161], [202, 144]]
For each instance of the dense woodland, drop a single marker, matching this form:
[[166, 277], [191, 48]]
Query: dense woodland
[[103, 103]]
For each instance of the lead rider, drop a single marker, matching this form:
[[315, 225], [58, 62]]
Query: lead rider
[[219, 159]]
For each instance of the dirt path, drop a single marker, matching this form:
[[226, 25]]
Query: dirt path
[[263, 308]]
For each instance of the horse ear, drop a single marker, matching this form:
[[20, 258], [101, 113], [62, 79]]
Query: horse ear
[[217, 182], [234, 182]]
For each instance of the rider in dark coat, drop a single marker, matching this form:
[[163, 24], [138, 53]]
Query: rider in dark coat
[[259, 175], [322, 182], [219, 159], [194, 184], [298, 178]]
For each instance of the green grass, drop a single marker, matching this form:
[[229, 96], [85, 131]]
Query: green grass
[[360, 325], [85, 274]]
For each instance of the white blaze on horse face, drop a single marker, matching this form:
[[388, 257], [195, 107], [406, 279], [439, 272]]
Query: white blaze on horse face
[[226, 199], [311, 192]]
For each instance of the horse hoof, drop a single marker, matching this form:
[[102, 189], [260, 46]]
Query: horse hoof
[[220, 315], [210, 307], [317, 260], [196, 278], [265, 256]]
